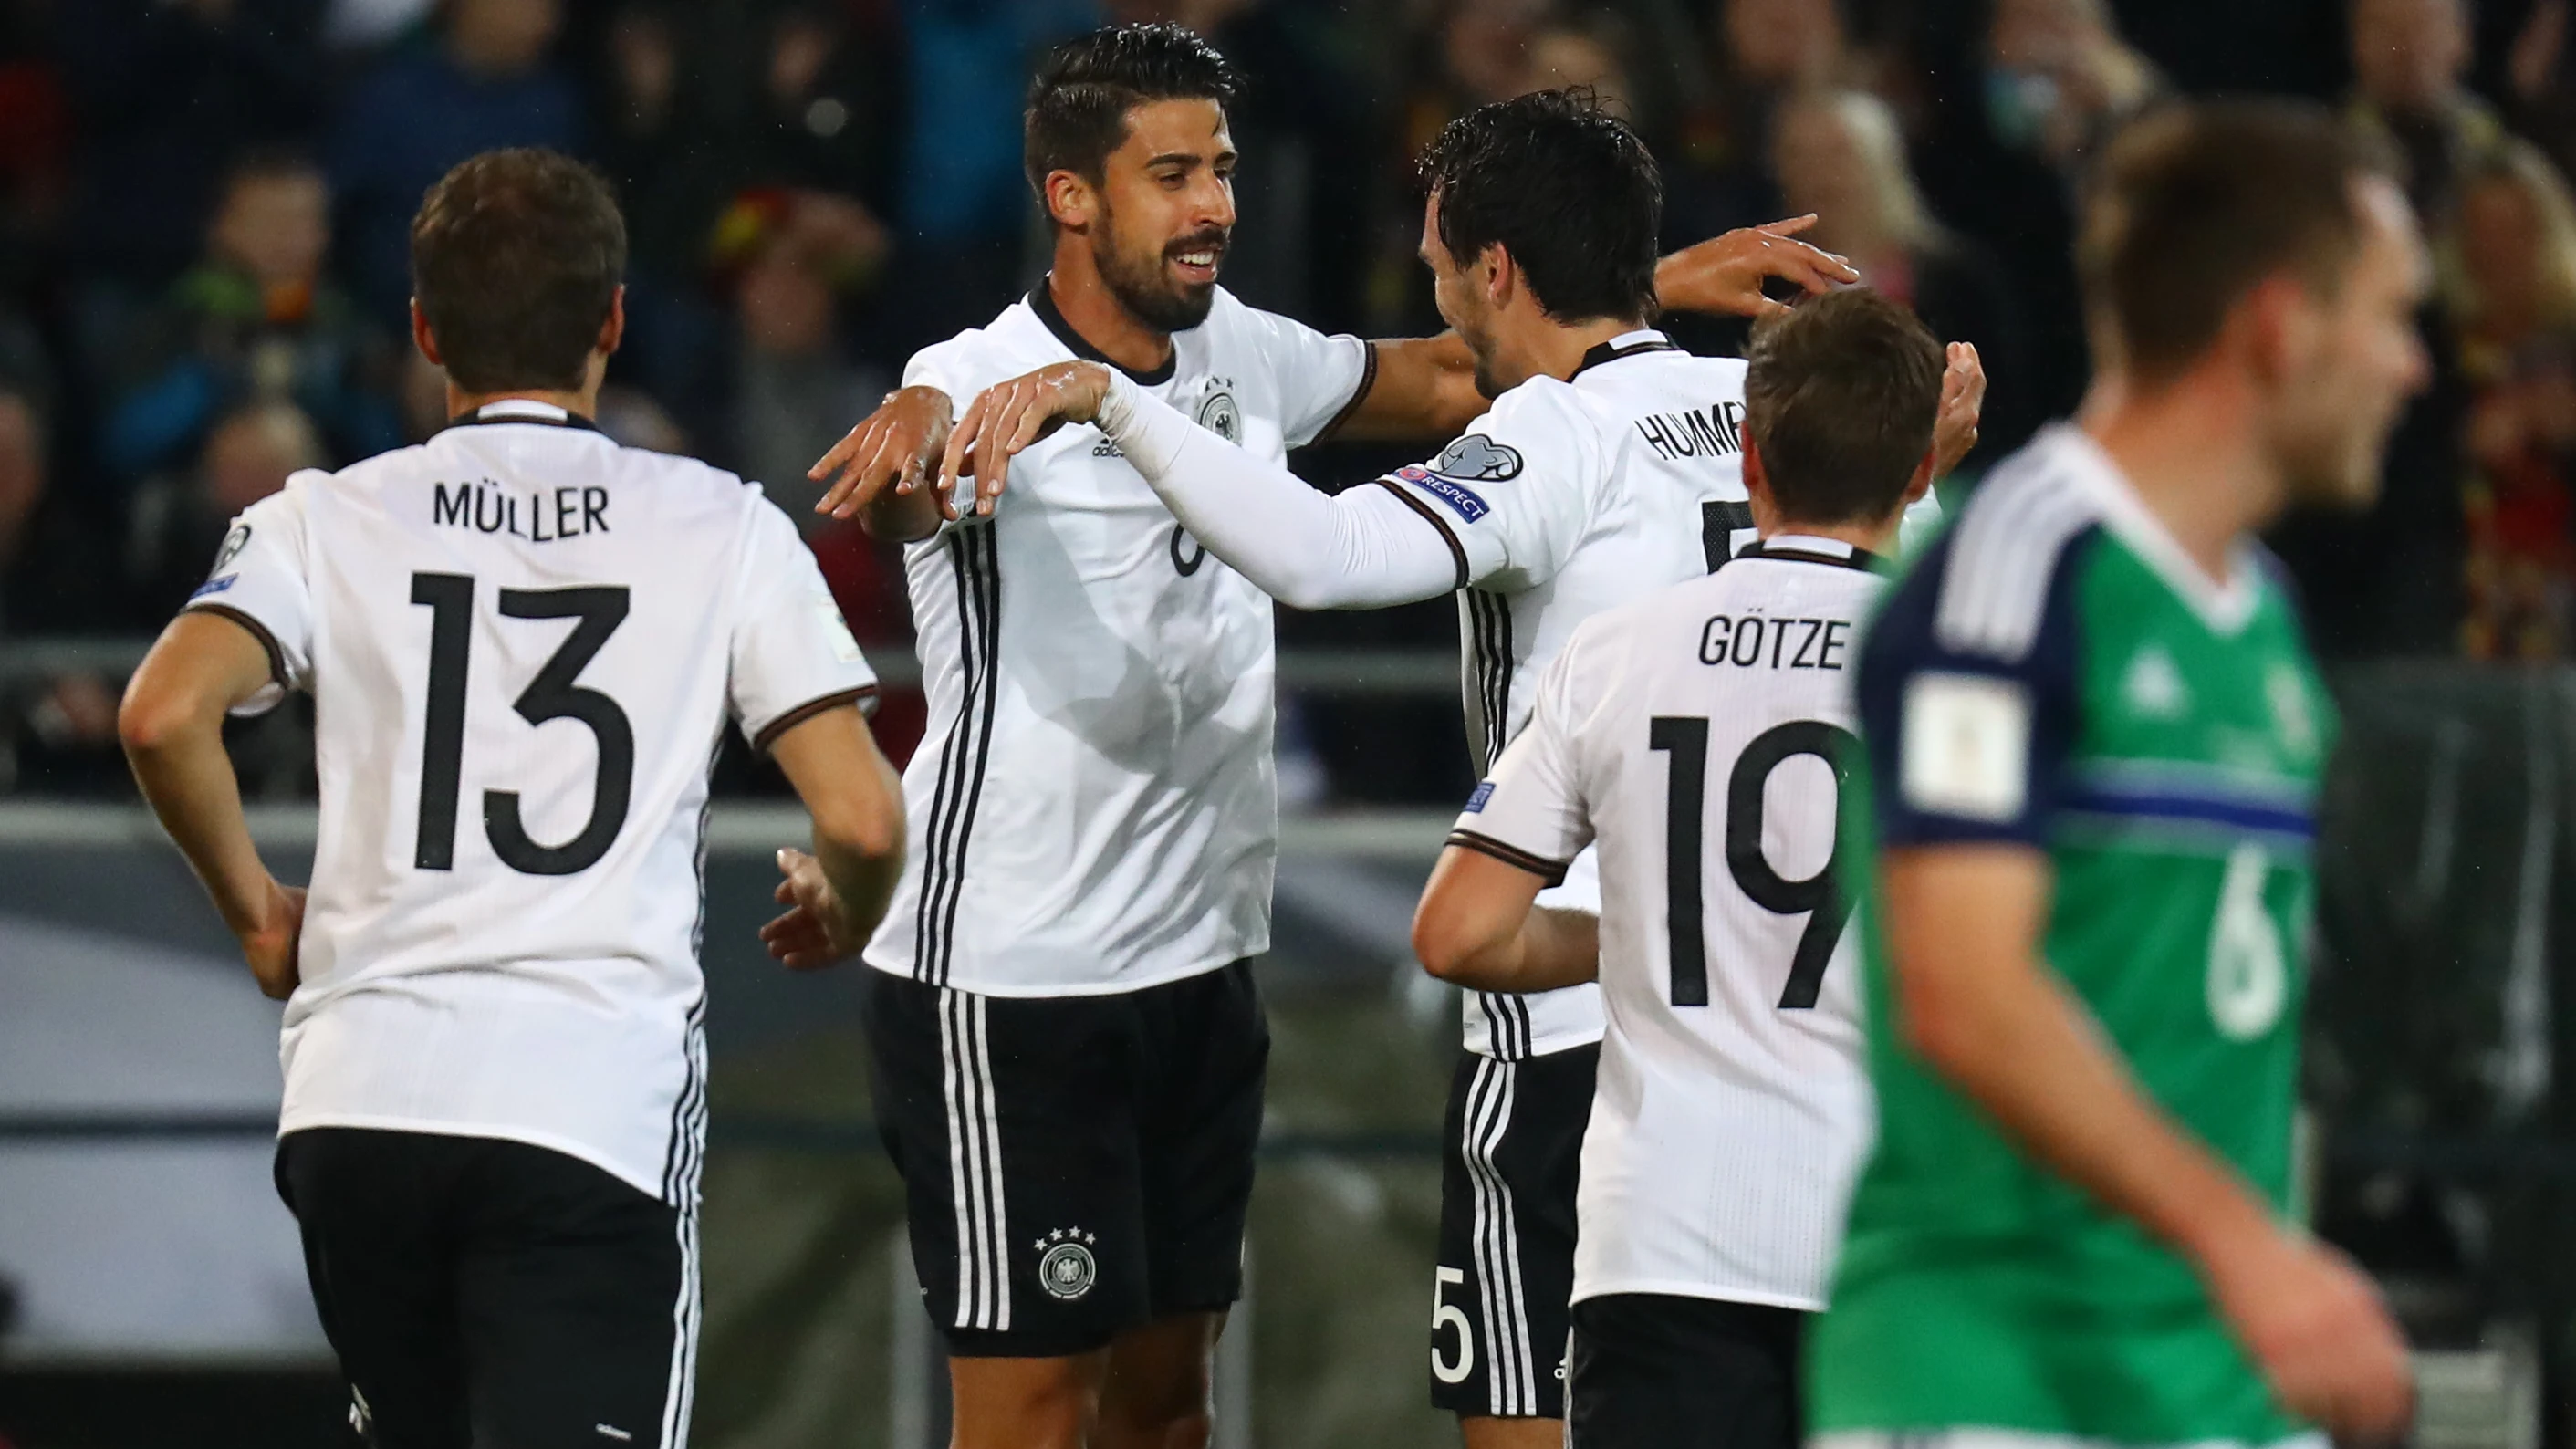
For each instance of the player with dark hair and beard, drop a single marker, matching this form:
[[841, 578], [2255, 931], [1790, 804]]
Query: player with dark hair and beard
[[1067, 1047]]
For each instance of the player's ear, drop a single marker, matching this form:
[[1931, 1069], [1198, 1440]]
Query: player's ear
[[612, 330], [1757, 483], [422, 337], [2274, 326], [1502, 277], [1921, 482], [1071, 202]]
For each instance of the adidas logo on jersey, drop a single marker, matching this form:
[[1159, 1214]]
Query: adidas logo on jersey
[[2154, 687]]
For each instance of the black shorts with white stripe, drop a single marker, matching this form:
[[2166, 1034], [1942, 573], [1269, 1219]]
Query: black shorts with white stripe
[[482, 1291], [1507, 1206], [1073, 1166]]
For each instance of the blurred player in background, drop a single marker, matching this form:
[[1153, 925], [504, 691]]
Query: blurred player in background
[[1068, 1047], [1608, 465], [1698, 735], [2084, 836], [523, 643]]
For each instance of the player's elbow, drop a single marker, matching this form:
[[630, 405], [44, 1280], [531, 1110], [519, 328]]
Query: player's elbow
[[153, 717], [1935, 1021], [1442, 943]]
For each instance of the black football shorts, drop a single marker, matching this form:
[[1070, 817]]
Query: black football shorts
[[1073, 1166]]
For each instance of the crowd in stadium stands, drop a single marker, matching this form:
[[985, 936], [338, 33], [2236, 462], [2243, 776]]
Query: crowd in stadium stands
[[204, 204]]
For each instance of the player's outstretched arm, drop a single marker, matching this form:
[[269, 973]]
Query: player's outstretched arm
[[1477, 927], [1973, 999], [172, 726], [1362, 549], [877, 470], [837, 896], [1426, 387]]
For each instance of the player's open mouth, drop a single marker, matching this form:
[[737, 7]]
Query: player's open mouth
[[1198, 264]]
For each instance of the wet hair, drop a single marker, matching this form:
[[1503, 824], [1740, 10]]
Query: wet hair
[[1079, 100], [2198, 203], [1840, 398], [516, 257], [1566, 188]]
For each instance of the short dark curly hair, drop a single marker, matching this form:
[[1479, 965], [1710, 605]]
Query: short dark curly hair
[[1079, 100], [516, 257], [1840, 399], [1564, 186]]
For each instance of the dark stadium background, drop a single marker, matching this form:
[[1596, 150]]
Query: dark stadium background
[[202, 209]]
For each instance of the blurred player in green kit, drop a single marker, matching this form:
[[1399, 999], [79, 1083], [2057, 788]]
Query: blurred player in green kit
[[2082, 839]]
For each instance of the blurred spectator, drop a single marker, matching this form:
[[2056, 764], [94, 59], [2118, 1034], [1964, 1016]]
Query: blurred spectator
[[1588, 56], [179, 522], [1838, 154], [360, 24], [56, 728], [964, 204], [795, 392], [828, 106], [2050, 80], [166, 92], [35, 146], [1720, 177], [483, 81], [2409, 58], [2538, 80], [256, 319], [2510, 273]]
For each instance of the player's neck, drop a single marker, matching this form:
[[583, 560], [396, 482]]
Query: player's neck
[[1098, 317], [1551, 349], [581, 402], [1878, 538], [2189, 450]]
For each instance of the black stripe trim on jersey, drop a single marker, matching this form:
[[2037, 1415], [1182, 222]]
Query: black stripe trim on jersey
[[1359, 395], [1605, 353], [976, 559], [770, 732], [1551, 871], [570, 419], [1042, 302], [258, 630], [1457, 550], [1493, 634], [1859, 558]]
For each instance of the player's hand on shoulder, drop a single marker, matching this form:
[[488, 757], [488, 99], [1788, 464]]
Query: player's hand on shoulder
[[1724, 275], [893, 446], [2323, 1339], [1963, 405], [814, 932], [1007, 417], [270, 944]]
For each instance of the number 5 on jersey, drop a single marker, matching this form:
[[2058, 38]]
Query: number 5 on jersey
[[1685, 807], [551, 695]]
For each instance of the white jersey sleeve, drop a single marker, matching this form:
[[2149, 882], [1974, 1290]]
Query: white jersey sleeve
[[261, 581], [1516, 492], [792, 656], [1531, 811], [1318, 379]]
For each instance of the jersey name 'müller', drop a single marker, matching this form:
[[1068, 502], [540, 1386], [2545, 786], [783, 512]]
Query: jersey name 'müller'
[[1732, 1109], [523, 642]]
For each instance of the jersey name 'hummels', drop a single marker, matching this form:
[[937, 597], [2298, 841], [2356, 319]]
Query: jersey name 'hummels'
[[1094, 806], [1566, 499], [523, 642]]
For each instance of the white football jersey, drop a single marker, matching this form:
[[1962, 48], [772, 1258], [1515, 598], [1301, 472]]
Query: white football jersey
[[1565, 499], [523, 642], [1694, 738], [1093, 805]]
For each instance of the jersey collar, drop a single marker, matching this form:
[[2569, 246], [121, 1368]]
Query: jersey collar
[[2225, 606], [1042, 302], [1809, 548], [521, 410], [1626, 344]]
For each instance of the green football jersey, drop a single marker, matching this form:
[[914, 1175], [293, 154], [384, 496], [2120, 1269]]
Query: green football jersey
[[2054, 672]]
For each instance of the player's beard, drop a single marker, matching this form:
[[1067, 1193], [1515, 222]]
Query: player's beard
[[1142, 286]]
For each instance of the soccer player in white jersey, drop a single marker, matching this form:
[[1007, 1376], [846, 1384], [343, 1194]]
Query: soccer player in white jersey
[[1608, 466], [1067, 1046], [1696, 737], [523, 642]]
